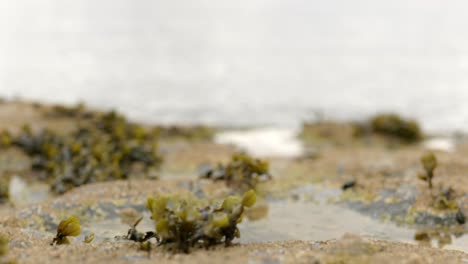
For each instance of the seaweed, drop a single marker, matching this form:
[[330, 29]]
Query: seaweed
[[394, 126], [191, 133], [3, 245], [429, 163], [134, 235], [4, 190], [440, 236], [5, 139], [443, 198], [442, 202], [242, 172], [67, 228], [185, 222], [105, 148], [89, 238], [387, 129]]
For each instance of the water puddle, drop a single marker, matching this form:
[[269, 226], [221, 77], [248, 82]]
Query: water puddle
[[303, 220], [112, 228], [22, 193], [289, 220], [309, 218]]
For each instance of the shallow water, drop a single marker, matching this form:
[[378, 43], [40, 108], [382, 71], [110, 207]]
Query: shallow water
[[284, 142], [310, 221], [298, 220], [245, 62]]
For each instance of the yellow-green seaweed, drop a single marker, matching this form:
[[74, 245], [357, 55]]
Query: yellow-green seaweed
[[3, 245], [429, 163], [242, 172], [104, 147], [69, 227], [185, 221]]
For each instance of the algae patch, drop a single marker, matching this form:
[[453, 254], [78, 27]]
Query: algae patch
[[242, 172], [182, 223], [104, 147]]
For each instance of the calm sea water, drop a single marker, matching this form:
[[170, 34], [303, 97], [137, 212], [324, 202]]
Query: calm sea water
[[241, 62]]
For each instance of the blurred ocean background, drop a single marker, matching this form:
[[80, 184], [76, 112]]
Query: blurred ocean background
[[244, 62]]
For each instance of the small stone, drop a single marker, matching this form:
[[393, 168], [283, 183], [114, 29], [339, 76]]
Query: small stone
[[460, 217], [348, 184]]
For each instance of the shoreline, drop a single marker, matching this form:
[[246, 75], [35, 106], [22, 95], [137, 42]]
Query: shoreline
[[382, 172]]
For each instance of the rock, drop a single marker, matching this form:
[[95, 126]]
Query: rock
[[348, 184], [460, 217]]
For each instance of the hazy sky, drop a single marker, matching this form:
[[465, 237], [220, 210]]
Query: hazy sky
[[345, 56]]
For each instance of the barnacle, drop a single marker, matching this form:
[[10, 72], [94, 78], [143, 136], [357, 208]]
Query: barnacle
[[186, 221], [68, 227], [242, 172]]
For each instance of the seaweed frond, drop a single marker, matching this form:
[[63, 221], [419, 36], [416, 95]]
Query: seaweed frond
[[242, 172], [185, 222], [69, 227], [429, 163]]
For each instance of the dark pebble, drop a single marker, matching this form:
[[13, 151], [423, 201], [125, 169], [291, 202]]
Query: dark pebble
[[460, 217], [348, 184]]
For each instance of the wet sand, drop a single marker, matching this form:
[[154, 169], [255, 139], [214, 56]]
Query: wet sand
[[308, 183]]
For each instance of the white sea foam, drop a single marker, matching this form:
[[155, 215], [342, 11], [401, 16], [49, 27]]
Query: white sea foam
[[445, 144], [263, 142]]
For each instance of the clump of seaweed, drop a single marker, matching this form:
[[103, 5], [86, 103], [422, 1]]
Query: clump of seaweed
[[429, 163], [3, 245], [389, 129], [69, 227], [442, 202], [443, 199], [395, 126], [186, 222], [4, 190], [242, 172], [104, 148], [440, 236], [5, 139]]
